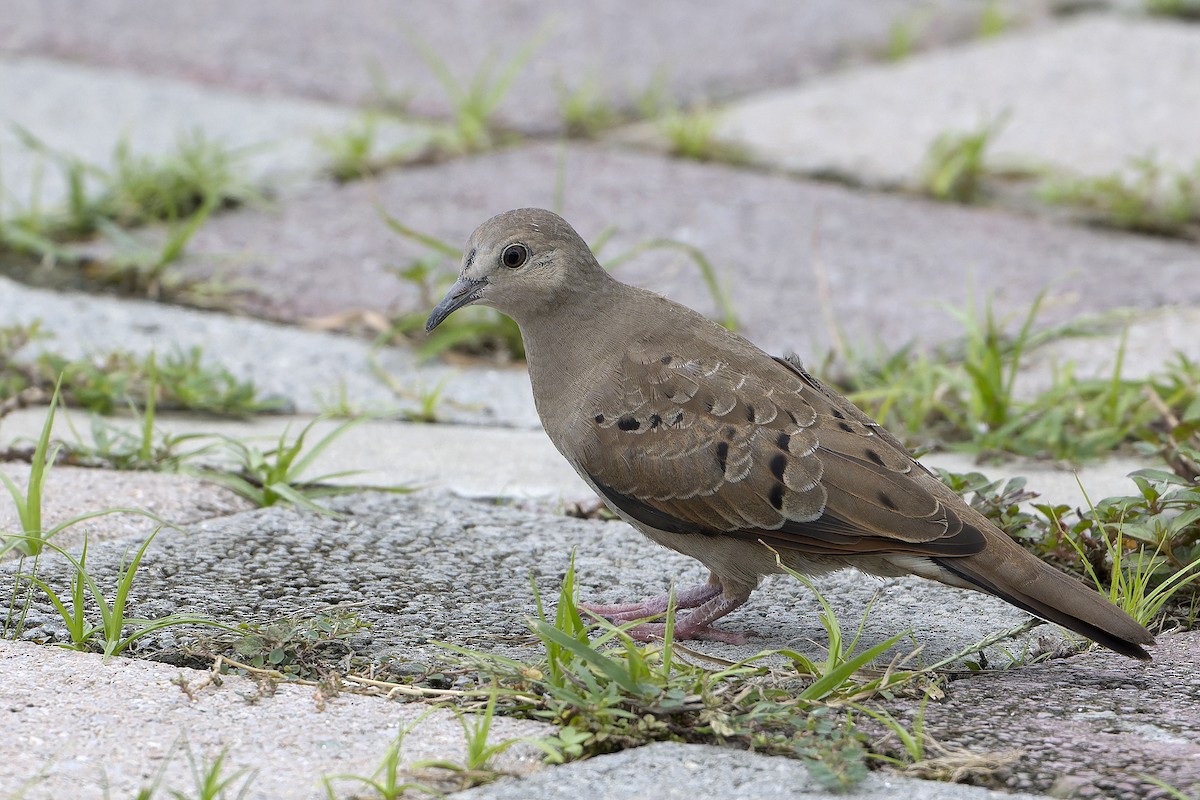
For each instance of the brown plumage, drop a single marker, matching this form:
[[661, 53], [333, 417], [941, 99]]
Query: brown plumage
[[715, 449]]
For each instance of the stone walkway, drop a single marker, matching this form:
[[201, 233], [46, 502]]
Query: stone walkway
[[1074, 96], [805, 93]]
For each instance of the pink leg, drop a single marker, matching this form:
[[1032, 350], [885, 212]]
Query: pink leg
[[708, 603], [690, 597]]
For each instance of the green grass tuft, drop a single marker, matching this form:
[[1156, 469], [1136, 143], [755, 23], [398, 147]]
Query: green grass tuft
[[1180, 9], [115, 631], [1148, 198], [278, 475], [585, 109], [967, 400], [1141, 550], [475, 102], [957, 162]]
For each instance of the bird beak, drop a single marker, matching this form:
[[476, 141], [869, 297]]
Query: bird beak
[[464, 292]]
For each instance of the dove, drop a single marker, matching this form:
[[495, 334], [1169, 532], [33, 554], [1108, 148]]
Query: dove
[[713, 448]]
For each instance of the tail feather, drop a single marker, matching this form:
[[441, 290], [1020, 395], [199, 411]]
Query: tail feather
[[1010, 573]]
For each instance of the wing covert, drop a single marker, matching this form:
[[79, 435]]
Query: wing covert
[[715, 447]]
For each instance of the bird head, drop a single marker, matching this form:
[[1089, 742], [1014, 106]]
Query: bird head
[[518, 263]]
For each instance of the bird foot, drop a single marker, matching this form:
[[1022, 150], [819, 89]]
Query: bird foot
[[708, 605]]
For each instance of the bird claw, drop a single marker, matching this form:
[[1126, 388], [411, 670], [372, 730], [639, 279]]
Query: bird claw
[[619, 611]]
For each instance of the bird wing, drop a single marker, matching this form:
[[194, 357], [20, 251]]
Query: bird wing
[[739, 444]]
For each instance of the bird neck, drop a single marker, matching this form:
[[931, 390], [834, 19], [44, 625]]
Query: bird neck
[[566, 342]]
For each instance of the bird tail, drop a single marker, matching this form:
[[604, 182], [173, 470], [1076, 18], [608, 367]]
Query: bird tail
[[1029, 584]]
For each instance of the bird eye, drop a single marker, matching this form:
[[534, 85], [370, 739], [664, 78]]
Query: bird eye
[[514, 256]]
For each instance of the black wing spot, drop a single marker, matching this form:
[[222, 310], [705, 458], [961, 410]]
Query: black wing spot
[[655, 421], [778, 465], [722, 455], [887, 501], [678, 418], [628, 424], [666, 360], [838, 414], [846, 426], [599, 419], [777, 496], [783, 441], [875, 457], [749, 413]]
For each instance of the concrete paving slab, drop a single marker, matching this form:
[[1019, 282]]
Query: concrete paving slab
[[478, 462], [1087, 96], [792, 254], [1152, 341], [620, 44], [86, 729], [1089, 726], [470, 460], [309, 370], [427, 568], [1053, 483], [71, 491], [86, 112], [674, 771]]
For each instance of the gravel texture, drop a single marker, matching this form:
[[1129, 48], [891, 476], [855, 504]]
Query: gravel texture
[[72, 491], [1085, 726], [428, 568]]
